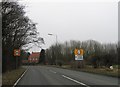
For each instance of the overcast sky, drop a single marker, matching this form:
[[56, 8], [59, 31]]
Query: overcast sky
[[74, 20]]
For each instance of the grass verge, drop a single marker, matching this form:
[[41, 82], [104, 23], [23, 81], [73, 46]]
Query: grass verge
[[100, 71], [9, 78]]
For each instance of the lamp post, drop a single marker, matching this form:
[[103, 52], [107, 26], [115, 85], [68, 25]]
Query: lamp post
[[54, 35], [56, 44]]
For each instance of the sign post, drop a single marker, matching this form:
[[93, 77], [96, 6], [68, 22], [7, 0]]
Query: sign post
[[16, 54], [79, 56]]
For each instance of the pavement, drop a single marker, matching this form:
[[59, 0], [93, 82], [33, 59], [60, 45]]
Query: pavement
[[44, 75]]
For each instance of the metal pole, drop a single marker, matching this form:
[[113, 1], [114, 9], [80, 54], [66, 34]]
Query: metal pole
[[16, 62], [56, 50], [56, 45]]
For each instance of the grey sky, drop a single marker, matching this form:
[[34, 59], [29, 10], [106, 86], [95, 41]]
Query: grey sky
[[74, 20]]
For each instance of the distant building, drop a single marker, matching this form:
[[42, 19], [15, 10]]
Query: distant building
[[24, 61], [34, 57]]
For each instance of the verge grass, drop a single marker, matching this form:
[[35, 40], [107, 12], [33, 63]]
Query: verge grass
[[9, 78], [90, 69]]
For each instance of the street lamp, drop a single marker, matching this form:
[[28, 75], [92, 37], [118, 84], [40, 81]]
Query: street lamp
[[56, 42], [54, 35]]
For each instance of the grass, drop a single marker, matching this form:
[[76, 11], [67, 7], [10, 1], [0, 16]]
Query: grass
[[102, 71], [9, 78], [90, 69]]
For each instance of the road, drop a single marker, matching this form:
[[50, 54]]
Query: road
[[44, 75]]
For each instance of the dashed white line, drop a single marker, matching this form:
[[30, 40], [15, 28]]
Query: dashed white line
[[20, 78], [53, 71], [75, 81]]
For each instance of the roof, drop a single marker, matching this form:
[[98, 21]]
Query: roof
[[35, 55]]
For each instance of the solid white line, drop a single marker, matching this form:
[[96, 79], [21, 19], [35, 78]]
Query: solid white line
[[75, 81], [53, 71], [20, 78]]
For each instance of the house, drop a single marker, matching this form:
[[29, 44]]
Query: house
[[24, 61], [34, 57]]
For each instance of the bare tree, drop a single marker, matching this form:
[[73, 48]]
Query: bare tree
[[17, 31]]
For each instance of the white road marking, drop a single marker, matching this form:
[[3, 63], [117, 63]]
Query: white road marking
[[53, 71], [20, 78], [75, 81]]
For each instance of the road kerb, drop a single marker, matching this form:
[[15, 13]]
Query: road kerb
[[20, 78]]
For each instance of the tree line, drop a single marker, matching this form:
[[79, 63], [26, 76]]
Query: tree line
[[95, 53], [18, 30]]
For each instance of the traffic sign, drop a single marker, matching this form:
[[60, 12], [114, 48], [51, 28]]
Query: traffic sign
[[81, 52], [78, 57], [78, 54], [76, 51], [16, 52]]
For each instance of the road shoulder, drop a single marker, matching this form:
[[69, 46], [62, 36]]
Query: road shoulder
[[11, 77]]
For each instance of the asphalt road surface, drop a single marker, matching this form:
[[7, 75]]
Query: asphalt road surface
[[44, 75]]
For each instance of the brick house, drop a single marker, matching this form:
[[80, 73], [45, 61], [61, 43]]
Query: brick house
[[34, 57]]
